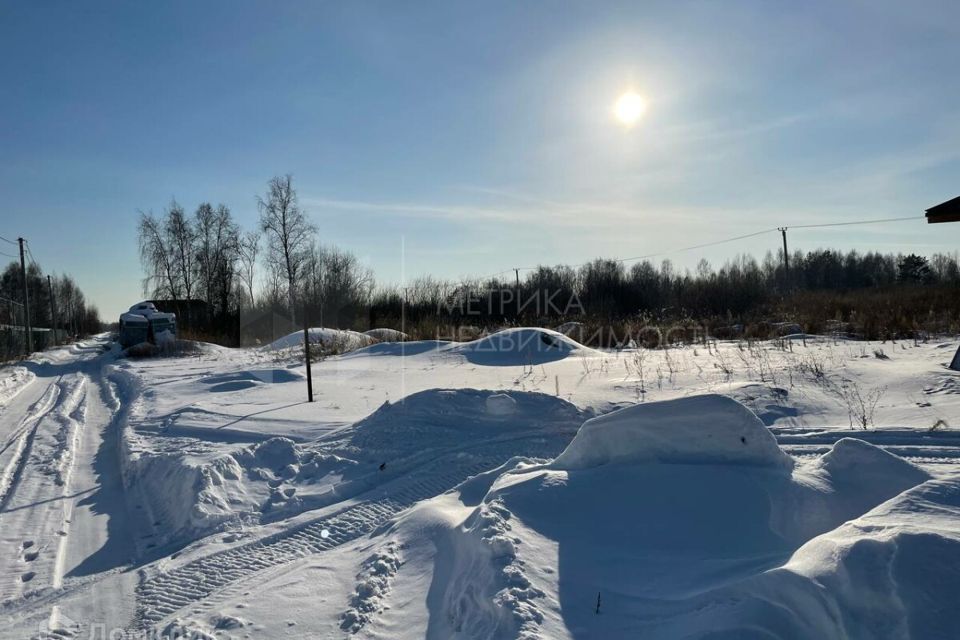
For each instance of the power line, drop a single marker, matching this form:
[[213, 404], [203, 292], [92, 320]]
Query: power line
[[665, 253], [847, 224], [5, 240], [726, 240], [698, 246], [500, 273], [9, 255], [30, 253]]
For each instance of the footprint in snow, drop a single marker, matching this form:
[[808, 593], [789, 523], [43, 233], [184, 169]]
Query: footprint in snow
[[28, 576]]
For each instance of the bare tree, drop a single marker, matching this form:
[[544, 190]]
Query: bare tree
[[157, 259], [248, 250], [205, 224], [217, 241], [180, 236], [289, 233], [71, 304], [339, 282]]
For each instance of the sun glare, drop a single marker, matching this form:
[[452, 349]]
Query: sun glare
[[629, 108]]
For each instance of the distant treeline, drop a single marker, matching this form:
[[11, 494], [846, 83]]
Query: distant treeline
[[257, 285], [870, 293], [74, 316]]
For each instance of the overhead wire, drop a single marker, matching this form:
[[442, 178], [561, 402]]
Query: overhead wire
[[696, 246], [30, 253], [847, 224], [726, 240]]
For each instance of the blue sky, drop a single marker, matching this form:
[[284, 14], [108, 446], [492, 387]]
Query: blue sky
[[479, 136]]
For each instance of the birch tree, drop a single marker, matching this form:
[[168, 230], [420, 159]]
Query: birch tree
[[157, 258], [289, 233], [248, 251]]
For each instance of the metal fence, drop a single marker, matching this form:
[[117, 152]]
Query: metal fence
[[13, 333], [13, 340]]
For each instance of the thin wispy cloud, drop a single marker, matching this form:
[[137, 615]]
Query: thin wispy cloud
[[455, 213]]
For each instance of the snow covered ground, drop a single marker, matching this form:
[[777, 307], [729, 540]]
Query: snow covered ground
[[518, 486]]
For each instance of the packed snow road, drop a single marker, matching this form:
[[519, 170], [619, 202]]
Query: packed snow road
[[63, 517]]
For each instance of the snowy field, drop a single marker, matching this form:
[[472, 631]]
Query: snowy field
[[519, 486]]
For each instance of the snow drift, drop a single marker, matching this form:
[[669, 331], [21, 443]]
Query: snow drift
[[400, 348], [386, 335], [188, 498], [521, 346], [192, 496], [895, 572], [438, 419], [664, 511], [334, 340], [707, 429]]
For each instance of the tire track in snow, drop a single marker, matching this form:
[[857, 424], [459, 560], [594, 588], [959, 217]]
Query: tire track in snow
[[32, 516], [918, 446], [73, 423], [162, 595], [22, 441]]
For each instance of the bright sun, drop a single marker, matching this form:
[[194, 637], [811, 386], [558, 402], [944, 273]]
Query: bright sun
[[629, 108]]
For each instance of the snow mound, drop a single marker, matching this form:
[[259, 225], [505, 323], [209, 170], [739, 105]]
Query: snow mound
[[334, 340], [440, 418], [192, 496], [386, 335], [521, 346], [852, 454], [891, 573], [189, 498], [414, 348], [240, 380], [705, 550], [865, 473], [707, 429]]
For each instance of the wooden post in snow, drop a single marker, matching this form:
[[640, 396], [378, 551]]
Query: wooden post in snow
[[306, 353]]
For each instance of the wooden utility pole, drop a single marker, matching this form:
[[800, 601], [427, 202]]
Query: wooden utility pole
[[53, 312], [26, 299], [786, 256], [516, 272]]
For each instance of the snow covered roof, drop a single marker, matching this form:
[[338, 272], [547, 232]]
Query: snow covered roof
[[149, 311], [133, 318], [143, 306]]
